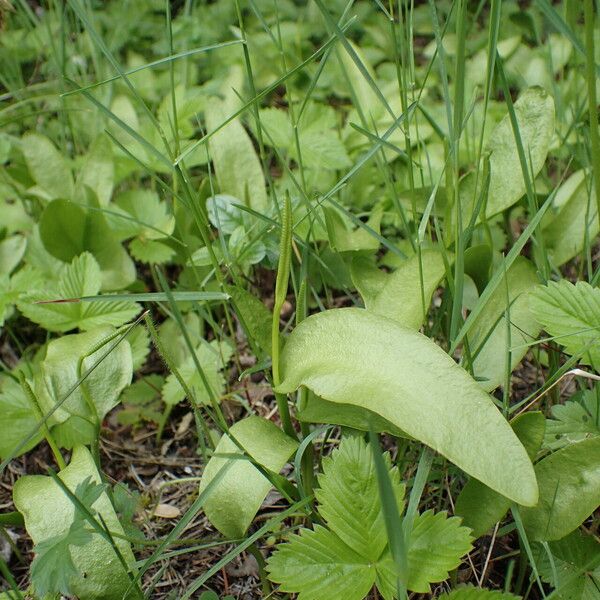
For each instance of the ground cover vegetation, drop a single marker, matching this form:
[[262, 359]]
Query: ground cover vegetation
[[299, 299]]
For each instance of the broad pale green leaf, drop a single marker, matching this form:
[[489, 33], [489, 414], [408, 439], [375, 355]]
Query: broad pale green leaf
[[398, 296], [478, 505], [470, 592], [47, 166], [569, 481], [571, 312], [60, 371], [354, 357], [535, 118], [17, 418], [212, 356], [349, 498], [233, 504], [317, 410], [236, 163], [317, 564], [48, 513], [67, 230], [573, 217], [576, 560], [575, 420], [80, 278], [97, 171], [436, 547], [151, 251], [488, 338]]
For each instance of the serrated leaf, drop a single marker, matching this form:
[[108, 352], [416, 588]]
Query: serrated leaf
[[149, 217], [80, 278], [436, 546], [233, 504], [571, 312], [317, 564], [49, 513], [576, 560], [398, 295], [408, 380], [574, 420], [53, 569], [569, 481], [354, 549], [47, 166], [212, 357], [151, 251], [349, 498], [478, 505]]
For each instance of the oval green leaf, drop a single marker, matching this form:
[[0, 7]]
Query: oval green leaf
[[569, 483], [234, 502], [354, 357]]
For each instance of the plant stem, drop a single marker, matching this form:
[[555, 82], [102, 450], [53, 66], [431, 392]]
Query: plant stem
[[590, 72], [58, 457]]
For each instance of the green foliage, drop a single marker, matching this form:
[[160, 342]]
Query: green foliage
[[408, 380], [404, 295], [569, 482], [570, 313], [575, 420], [572, 566], [82, 277], [468, 592], [89, 567], [233, 504], [478, 505], [496, 348], [349, 556]]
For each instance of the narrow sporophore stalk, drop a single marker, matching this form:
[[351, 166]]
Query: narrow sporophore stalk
[[590, 71], [281, 286]]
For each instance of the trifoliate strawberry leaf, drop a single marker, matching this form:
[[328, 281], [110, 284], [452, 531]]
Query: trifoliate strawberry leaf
[[436, 546], [571, 313], [317, 564], [575, 420], [574, 568], [349, 499], [347, 559], [469, 592], [141, 214], [151, 251], [212, 356], [80, 278]]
